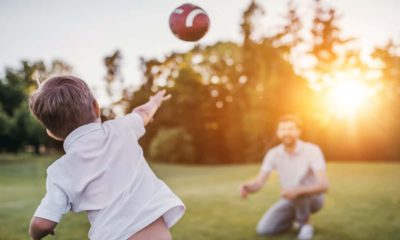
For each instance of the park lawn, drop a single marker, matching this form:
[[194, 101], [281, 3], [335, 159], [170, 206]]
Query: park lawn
[[363, 202]]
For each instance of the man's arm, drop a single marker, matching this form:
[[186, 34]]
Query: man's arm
[[259, 181], [254, 185], [147, 110], [321, 186], [40, 227]]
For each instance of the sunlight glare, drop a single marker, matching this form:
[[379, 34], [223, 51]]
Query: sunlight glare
[[346, 98]]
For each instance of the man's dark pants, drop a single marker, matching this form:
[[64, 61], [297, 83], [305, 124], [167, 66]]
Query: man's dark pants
[[281, 215]]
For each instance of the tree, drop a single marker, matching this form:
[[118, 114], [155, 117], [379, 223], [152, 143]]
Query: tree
[[19, 127], [388, 109], [226, 96]]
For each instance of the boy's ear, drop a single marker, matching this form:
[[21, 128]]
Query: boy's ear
[[96, 108], [53, 136]]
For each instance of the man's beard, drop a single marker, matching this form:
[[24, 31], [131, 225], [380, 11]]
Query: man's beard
[[288, 141]]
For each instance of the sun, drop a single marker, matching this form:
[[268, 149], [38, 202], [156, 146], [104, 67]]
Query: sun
[[347, 98]]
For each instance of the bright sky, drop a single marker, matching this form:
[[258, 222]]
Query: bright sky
[[82, 32]]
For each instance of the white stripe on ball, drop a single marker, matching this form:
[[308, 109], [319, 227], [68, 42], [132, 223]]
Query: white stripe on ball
[[190, 17], [178, 11]]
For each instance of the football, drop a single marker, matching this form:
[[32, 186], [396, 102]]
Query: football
[[189, 22]]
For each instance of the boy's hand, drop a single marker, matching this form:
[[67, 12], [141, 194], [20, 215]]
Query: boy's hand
[[51, 233], [147, 110], [40, 228], [160, 97]]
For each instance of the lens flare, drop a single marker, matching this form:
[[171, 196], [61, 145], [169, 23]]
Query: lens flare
[[346, 98]]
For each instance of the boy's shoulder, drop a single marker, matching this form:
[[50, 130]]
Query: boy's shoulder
[[131, 123], [59, 173], [57, 169]]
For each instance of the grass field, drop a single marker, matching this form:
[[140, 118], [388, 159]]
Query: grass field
[[363, 203]]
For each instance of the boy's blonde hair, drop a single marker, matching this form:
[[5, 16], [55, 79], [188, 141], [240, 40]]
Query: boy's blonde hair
[[62, 104]]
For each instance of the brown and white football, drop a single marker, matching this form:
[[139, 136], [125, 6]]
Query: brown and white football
[[189, 22]]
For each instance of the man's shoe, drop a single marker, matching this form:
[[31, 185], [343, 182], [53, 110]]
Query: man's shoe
[[296, 225], [306, 232]]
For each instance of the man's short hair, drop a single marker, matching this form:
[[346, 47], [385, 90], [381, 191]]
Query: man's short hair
[[291, 118], [62, 104]]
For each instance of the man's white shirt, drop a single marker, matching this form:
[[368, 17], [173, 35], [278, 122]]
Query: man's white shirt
[[297, 168]]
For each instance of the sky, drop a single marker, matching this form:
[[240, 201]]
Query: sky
[[83, 32]]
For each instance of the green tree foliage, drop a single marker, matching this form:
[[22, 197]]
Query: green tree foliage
[[176, 143], [386, 123], [226, 97], [18, 127]]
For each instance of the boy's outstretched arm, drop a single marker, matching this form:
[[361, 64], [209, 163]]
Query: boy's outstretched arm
[[147, 110], [40, 227]]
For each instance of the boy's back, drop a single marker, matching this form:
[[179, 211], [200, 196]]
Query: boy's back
[[104, 173]]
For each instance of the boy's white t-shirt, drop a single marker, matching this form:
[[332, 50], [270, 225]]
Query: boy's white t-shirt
[[105, 174]]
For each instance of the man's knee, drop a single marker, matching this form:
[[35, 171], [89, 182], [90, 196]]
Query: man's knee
[[317, 208], [317, 203], [266, 230], [272, 228], [277, 219], [307, 205]]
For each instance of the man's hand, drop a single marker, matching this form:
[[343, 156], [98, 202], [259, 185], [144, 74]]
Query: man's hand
[[290, 194], [250, 187], [254, 185], [320, 186], [244, 192]]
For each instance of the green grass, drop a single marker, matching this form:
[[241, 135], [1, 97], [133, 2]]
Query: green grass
[[363, 203]]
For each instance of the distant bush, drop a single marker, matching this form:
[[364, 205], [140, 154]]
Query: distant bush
[[172, 145]]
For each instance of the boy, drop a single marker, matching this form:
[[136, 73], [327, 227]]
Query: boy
[[103, 171]]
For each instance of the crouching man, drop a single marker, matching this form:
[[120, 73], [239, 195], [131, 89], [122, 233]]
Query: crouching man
[[302, 173]]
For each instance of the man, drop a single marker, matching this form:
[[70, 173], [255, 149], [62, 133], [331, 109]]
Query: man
[[302, 172]]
